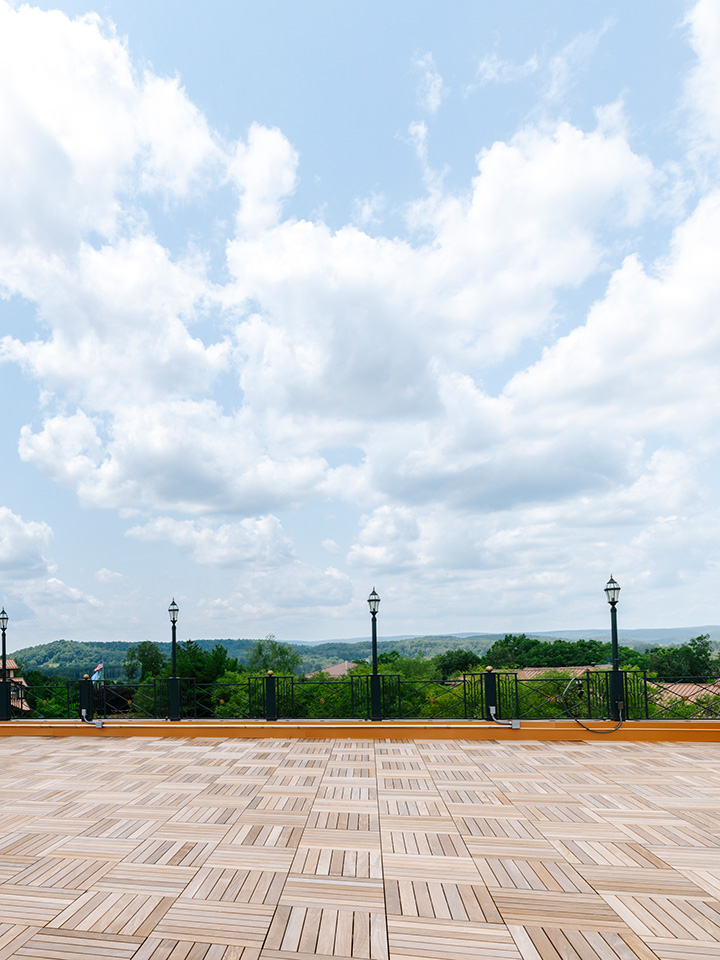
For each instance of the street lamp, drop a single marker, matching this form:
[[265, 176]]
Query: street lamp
[[173, 611], [375, 698], [612, 592], [173, 687], [3, 626], [5, 696]]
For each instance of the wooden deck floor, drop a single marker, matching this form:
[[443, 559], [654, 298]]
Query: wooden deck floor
[[210, 849]]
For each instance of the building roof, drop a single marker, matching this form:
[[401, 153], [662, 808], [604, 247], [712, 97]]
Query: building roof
[[336, 670], [530, 673]]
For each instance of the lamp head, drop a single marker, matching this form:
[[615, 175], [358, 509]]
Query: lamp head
[[173, 611], [3, 619], [612, 591], [374, 602]]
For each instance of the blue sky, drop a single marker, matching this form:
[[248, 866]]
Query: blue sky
[[301, 299]]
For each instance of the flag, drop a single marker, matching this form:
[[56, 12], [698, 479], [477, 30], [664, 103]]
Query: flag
[[97, 675]]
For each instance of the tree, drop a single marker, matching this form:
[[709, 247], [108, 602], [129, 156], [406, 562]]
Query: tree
[[205, 666], [390, 656], [691, 659], [145, 657], [456, 661], [270, 654]]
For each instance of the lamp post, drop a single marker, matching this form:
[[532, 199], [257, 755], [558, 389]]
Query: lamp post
[[612, 591], [5, 695], [174, 685], [375, 697]]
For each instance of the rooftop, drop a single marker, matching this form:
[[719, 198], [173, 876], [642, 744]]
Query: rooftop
[[142, 848]]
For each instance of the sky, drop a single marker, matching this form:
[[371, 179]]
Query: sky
[[302, 299]]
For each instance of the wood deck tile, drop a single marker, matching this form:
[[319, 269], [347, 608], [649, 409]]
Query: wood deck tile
[[637, 879], [53, 944], [34, 906], [251, 858], [407, 867], [554, 943], [340, 893], [412, 939], [13, 936], [165, 881], [573, 911], [235, 924], [298, 932], [168, 949], [235, 886]]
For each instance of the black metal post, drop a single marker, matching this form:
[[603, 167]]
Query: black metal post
[[5, 702], [86, 698], [375, 694], [616, 684], [490, 685], [270, 696]]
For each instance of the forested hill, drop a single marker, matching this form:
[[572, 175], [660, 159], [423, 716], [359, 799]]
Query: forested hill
[[70, 658]]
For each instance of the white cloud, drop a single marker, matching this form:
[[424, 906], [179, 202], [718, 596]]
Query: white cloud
[[108, 576], [572, 60], [22, 546], [493, 69], [701, 86], [287, 591], [325, 296], [366, 211], [388, 540], [260, 542], [265, 171], [83, 127], [30, 587], [431, 89]]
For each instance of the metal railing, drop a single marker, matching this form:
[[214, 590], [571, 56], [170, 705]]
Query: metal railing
[[502, 695]]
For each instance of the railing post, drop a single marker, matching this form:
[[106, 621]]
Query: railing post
[[490, 686], [617, 702], [5, 702], [174, 698], [86, 698], [270, 696], [375, 697]]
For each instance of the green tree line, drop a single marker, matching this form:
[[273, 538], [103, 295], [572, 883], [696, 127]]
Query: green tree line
[[206, 662]]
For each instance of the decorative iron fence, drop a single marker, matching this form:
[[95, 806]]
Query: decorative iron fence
[[499, 695]]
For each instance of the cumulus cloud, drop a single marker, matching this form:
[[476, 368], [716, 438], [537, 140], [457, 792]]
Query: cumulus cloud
[[146, 430], [701, 85], [82, 127], [286, 591], [260, 541], [29, 582], [21, 546], [265, 171]]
